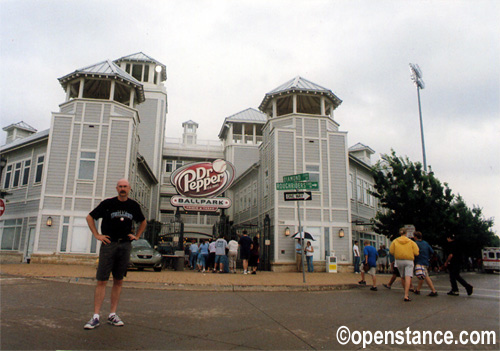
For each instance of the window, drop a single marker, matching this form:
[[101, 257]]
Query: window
[[351, 189], [359, 189], [367, 193], [266, 182], [11, 234], [137, 72], [146, 73], [64, 235], [17, 175], [39, 168], [169, 166], [26, 172], [8, 176], [87, 165], [254, 194], [313, 171]]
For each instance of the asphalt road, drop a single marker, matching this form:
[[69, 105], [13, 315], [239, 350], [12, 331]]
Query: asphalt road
[[41, 314]]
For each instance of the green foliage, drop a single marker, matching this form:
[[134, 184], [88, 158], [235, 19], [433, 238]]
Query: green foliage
[[409, 195]]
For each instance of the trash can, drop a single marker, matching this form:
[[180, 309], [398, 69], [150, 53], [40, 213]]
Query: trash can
[[331, 264], [179, 263]]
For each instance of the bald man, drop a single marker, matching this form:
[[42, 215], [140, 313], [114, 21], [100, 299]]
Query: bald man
[[118, 214]]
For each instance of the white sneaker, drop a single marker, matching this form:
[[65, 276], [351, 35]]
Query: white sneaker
[[115, 320], [245, 272]]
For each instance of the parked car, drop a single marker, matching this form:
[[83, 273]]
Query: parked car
[[144, 256]]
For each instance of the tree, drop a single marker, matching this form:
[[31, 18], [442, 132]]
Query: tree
[[409, 195]]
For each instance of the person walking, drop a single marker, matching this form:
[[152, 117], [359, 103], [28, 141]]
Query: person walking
[[118, 214], [220, 253], [357, 257], [453, 262], [193, 255], [211, 256], [371, 263], [254, 255], [245, 243], [404, 251], [382, 259], [232, 245], [203, 256], [309, 257], [422, 262]]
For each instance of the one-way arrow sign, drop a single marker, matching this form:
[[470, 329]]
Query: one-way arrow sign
[[298, 196]]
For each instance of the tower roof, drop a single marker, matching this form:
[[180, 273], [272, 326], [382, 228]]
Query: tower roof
[[300, 85], [105, 69], [142, 57], [20, 125], [190, 122], [361, 147], [250, 115]]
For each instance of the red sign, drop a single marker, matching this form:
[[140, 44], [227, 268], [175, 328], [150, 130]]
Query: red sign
[[2, 207], [203, 179]]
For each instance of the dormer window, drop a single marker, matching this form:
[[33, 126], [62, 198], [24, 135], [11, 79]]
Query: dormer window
[[139, 71]]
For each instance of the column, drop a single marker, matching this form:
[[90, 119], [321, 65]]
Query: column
[[80, 91], [132, 96], [112, 90]]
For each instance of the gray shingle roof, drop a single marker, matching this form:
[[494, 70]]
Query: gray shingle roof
[[105, 69], [142, 57], [24, 141], [300, 84]]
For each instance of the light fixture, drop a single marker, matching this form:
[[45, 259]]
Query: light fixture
[[341, 233], [158, 68], [287, 231], [49, 221]]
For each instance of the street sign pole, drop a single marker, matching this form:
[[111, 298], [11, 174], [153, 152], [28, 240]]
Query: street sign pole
[[301, 243]]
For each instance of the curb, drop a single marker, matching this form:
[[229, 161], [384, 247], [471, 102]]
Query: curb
[[210, 287]]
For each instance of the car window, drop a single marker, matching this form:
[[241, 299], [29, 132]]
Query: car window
[[141, 244]]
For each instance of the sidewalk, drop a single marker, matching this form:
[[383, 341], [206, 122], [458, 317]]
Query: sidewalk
[[191, 280]]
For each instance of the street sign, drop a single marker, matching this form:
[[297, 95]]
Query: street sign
[[298, 196], [2, 207], [296, 178], [298, 186]]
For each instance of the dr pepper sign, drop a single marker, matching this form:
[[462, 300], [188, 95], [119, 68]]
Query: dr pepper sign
[[198, 185]]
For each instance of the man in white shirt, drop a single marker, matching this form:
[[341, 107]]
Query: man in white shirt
[[357, 258], [233, 254]]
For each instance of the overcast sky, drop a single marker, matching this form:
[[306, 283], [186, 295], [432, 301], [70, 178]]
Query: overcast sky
[[223, 56]]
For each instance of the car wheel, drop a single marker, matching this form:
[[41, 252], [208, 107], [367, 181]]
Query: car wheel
[[157, 269], [140, 268]]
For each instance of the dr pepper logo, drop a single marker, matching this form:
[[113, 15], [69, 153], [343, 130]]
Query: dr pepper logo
[[203, 179]]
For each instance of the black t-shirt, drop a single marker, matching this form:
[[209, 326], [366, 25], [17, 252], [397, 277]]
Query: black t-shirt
[[117, 217], [453, 249], [245, 243]]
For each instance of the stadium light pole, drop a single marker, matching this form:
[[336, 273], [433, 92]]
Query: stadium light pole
[[416, 77]]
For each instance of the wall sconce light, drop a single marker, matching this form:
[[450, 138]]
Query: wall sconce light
[[49, 221], [341, 233], [287, 231]]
